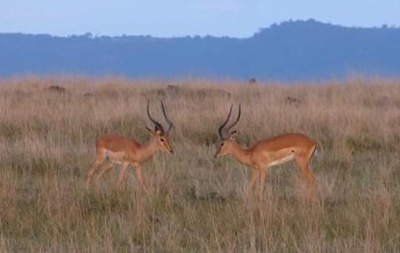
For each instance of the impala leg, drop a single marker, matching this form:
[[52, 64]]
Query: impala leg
[[105, 171], [263, 177], [253, 177], [96, 165], [122, 175], [308, 174], [303, 161], [139, 174]]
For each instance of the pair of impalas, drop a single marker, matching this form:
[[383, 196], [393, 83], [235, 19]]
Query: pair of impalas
[[261, 156]]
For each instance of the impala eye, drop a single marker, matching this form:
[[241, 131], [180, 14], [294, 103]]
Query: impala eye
[[162, 140], [222, 144]]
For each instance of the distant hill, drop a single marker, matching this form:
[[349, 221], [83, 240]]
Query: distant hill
[[293, 50]]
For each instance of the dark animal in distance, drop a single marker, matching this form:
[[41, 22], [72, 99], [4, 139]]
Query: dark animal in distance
[[252, 81], [292, 101], [56, 89]]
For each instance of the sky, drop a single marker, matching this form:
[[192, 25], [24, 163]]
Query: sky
[[177, 18]]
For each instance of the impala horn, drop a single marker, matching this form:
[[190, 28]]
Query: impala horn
[[223, 132], [157, 124]]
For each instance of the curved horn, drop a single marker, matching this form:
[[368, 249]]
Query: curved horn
[[221, 128], [170, 125], [156, 123], [236, 121]]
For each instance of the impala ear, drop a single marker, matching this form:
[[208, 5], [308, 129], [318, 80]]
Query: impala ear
[[155, 131], [149, 130], [233, 134]]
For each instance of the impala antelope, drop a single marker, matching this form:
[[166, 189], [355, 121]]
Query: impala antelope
[[267, 153], [114, 149]]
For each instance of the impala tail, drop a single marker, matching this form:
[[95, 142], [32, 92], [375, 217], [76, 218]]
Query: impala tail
[[317, 150]]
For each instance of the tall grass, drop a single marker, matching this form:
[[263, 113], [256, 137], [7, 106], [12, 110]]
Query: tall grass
[[194, 202]]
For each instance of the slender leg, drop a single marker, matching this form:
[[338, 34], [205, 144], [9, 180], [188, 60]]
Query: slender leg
[[100, 157], [303, 161], [253, 177], [122, 175], [308, 175], [139, 174], [263, 177], [105, 171], [97, 164]]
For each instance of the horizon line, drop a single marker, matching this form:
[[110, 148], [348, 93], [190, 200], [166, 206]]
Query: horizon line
[[271, 26]]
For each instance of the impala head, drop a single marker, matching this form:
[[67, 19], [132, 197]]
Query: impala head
[[159, 134], [227, 136]]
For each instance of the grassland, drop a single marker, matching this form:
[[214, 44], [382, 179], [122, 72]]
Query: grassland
[[194, 202]]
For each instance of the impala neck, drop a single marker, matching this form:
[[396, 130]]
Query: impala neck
[[241, 154], [148, 150]]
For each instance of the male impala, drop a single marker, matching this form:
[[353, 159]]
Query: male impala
[[116, 149], [267, 153]]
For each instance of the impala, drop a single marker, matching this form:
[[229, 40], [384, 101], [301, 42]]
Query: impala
[[114, 149], [267, 153]]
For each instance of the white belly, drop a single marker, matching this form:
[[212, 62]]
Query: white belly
[[282, 160], [115, 157]]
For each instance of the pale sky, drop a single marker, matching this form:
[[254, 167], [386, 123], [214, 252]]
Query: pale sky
[[176, 18]]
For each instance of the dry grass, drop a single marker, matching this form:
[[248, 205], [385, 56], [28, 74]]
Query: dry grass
[[195, 203]]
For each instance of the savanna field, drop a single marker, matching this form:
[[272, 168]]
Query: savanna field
[[193, 202]]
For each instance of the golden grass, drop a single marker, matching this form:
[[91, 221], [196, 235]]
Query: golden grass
[[195, 203]]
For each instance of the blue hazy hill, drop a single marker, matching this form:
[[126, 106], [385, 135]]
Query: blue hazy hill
[[293, 50]]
